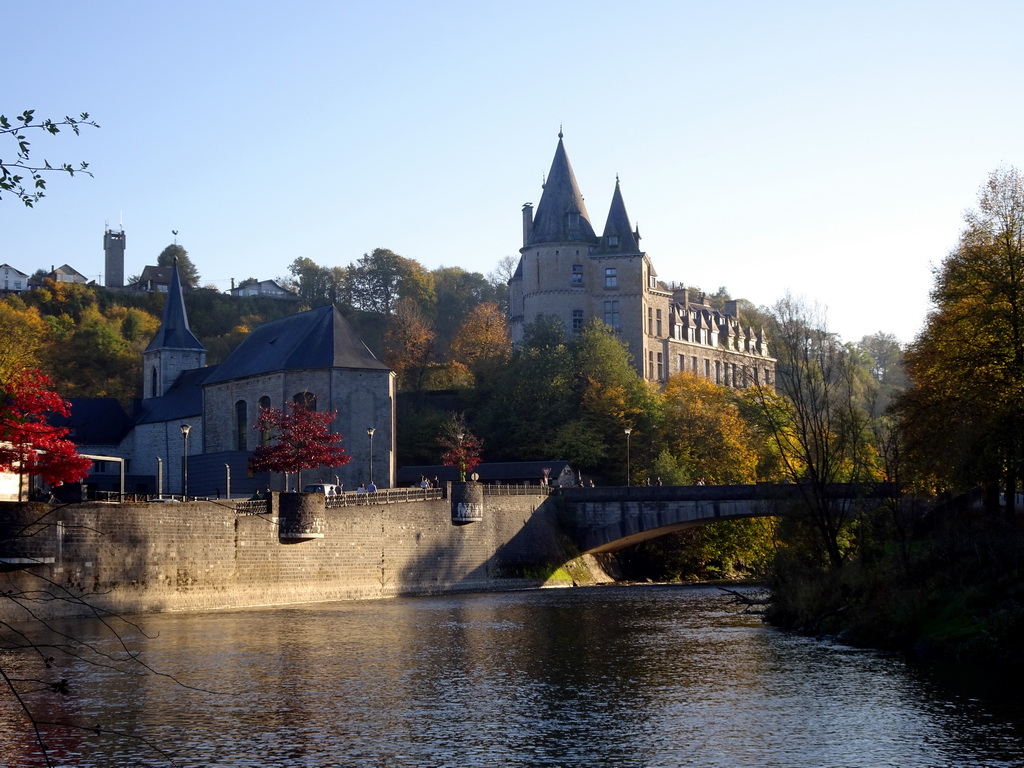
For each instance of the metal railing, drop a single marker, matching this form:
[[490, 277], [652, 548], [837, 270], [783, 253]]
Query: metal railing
[[383, 496], [517, 490]]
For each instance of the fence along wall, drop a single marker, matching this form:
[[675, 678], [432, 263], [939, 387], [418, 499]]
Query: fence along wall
[[203, 555]]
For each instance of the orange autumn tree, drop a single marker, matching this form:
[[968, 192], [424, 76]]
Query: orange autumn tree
[[705, 433]]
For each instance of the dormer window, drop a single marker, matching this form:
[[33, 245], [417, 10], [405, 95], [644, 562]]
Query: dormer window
[[613, 241], [572, 220]]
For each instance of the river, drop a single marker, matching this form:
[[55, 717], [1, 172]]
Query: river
[[633, 677]]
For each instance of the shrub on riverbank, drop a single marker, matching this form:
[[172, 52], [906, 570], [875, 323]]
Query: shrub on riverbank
[[958, 595]]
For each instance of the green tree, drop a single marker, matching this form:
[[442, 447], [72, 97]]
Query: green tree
[[964, 415], [317, 285], [13, 173], [186, 269], [382, 277]]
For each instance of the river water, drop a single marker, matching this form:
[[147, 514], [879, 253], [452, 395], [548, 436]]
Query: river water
[[637, 677]]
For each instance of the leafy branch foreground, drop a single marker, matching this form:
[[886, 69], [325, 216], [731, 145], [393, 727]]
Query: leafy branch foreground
[[15, 175]]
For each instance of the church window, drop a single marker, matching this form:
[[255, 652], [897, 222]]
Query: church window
[[577, 320], [241, 426], [611, 315], [264, 433], [577, 274], [306, 400], [153, 384], [611, 277]]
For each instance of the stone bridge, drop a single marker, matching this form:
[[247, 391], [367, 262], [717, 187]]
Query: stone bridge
[[608, 519]]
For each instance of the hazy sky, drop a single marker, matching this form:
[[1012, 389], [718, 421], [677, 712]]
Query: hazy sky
[[825, 149]]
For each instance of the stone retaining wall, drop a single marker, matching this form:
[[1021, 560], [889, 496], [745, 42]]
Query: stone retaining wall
[[203, 555]]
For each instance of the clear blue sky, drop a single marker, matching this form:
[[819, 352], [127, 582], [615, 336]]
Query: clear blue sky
[[825, 149]]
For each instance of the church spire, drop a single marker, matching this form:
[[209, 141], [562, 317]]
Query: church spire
[[619, 236], [561, 214], [174, 332]]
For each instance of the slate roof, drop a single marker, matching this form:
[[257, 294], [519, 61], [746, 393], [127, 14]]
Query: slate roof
[[174, 332], [318, 338], [183, 400], [95, 421], [618, 225], [561, 197]]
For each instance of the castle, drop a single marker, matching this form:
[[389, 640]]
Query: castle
[[569, 273]]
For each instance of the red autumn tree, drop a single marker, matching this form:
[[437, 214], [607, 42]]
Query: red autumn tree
[[462, 446], [29, 444], [301, 438]]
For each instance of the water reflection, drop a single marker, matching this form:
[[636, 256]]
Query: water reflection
[[637, 677]]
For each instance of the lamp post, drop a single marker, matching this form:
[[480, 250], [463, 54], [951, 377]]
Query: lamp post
[[629, 431], [369, 432], [185, 429]]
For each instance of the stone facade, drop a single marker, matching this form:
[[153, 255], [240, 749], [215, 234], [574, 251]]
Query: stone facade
[[568, 272]]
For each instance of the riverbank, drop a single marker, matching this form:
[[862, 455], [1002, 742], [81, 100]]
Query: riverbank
[[954, 594]]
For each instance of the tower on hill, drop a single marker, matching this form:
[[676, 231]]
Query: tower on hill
[[113, 250]]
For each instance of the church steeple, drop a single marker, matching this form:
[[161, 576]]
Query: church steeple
[[175, 348], [619, 236], [561, 214]]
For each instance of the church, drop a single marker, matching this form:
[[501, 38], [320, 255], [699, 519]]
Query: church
[[569, 273], [193, 430]]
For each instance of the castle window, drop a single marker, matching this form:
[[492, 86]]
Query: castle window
[[613, 241], [611, 277], [241, 426], [577, 274], [658, 317], [577, 320], [707, 369], [682, 363], [650, 365], [693, 365], [718, 372], [650, 321], [611, 315], [661, 367], [572, 221]]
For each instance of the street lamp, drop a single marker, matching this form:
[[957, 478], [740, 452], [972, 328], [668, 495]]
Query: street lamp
[[185, 429], [629, 431], [369, 432]]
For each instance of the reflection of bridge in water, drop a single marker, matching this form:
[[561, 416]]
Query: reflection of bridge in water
[[607, 519]]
